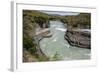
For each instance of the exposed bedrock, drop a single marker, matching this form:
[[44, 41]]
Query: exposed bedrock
[[79, 38]]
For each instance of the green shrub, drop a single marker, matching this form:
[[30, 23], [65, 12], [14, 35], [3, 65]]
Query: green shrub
[[27, 43], [40, 20]]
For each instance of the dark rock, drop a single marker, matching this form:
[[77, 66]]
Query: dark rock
[[78, 38]]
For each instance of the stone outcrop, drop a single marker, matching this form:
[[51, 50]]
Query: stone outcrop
[[43, 33], [79, 38]]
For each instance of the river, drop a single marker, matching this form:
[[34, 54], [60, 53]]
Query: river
[[58, 45]]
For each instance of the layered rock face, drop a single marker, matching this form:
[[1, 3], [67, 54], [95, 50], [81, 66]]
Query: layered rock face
[[78, 30], [79, 38]]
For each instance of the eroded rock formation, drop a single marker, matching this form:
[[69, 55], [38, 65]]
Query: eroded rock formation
[[79, 38]]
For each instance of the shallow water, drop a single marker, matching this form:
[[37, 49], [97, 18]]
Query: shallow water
[[58, 45]]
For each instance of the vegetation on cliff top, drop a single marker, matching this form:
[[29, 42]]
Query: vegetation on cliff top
[[83, 20]]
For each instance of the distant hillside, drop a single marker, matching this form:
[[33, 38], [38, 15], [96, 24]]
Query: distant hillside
[[35, 13], [83, 20]]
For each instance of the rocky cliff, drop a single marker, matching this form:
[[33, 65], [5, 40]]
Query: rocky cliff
[[79, 38]]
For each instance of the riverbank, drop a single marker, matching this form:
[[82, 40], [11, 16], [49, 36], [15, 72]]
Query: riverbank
[[79, 38]]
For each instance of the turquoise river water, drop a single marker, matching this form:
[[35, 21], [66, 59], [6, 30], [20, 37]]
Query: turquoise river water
[[58, 45]]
